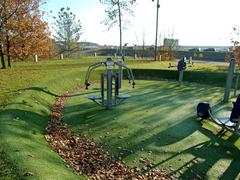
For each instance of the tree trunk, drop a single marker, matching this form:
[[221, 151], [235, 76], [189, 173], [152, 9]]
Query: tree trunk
[[155, 53], [9, 61], [143, 44], [8, 52], [120, 28], [68, 48], [2, 57]]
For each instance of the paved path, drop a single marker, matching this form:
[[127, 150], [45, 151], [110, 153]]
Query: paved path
[[211, 62]]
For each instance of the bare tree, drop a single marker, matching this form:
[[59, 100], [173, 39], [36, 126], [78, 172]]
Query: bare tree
[[68, 31], [115, 10]]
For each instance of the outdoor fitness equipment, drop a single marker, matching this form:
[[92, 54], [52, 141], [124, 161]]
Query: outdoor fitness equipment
[[181, 66], [232, 76], [112, 79], [204, 111], [189, 63]]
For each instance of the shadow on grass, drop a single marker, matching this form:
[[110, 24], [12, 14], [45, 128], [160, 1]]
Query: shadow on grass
[[20, 131], [204, 155], [39, 89]]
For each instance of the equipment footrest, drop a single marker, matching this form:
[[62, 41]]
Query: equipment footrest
[[225, 121], [95, 97], [123, 96]]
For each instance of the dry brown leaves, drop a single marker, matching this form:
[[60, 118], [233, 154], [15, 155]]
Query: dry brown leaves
[[86, 157]]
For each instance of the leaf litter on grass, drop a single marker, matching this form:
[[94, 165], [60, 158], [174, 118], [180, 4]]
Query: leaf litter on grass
[[86, 157]]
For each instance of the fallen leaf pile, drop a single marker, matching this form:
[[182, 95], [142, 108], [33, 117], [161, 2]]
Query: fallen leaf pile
[[85, 156]]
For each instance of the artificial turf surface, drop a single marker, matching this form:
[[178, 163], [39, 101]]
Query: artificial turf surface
[[158, 124]]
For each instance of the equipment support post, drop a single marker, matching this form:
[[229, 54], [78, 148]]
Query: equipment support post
[[180, 76], [229, 80], [102, 87], [109, 88]]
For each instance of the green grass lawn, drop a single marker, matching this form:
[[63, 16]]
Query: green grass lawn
[[158, 123], [28, 91], [27, 74]]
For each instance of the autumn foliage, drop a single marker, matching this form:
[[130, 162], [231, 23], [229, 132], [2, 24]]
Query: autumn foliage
[[23, 33], [33, 38], [235, 40], [237, 54]]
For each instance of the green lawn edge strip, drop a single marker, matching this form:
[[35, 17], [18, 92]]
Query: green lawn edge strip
[[22, 128]]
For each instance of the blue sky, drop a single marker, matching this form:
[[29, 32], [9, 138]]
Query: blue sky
[[193, 22]]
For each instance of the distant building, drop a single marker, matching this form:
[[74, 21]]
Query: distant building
[[170, 43]]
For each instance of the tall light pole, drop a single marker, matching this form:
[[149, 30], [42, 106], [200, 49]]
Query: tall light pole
[[155, 53]]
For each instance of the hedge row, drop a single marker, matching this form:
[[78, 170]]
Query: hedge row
[[211, 78]]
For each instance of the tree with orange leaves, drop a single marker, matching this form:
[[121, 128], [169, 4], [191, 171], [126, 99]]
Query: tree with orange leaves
[[235, 40], [23, 33], [237, 54], [32, 37]]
